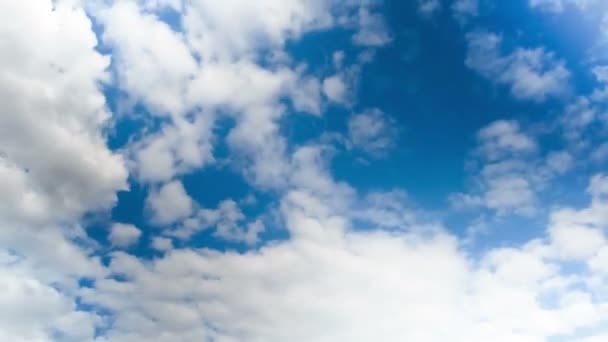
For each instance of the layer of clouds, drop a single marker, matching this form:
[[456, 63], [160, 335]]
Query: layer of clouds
[[334, 279], [415, 285]]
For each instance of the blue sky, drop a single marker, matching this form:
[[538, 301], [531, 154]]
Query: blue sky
[[320, 170]]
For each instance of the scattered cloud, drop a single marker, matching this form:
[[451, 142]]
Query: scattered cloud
[[530, 73], [556, 6], [510, 170], [238, 295], [169, 204], [427, 8], [335, 89], [464, 9], [162, 244], [355, 265], [372, 30], [373, 132], [124, 235]]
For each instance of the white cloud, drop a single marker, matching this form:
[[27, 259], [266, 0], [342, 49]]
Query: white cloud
[[531, 74], [600, 154], [35, 311], [372, 30], [549, 5], [228, 30], [560, 162], [332, 280], [601, 73], [169, 204], [510, 193], [462, 9], [54, 168], [54, 163], [335, 89], [428, 7], [197, 72], [162, 244], [559, 5], [373, 132], [150, 70], [228, 221], [502, 138], [510, 170], [175, 150], [124, 235], [332, 283]]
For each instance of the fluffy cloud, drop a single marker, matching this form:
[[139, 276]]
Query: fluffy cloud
[[169, 204], [162, 244], [36, 311], [333, 278], [414, 285], [501, 138], [334, 88], [53, 160], [372, 30], [197, 72], [372, 132], [175, 150], [54, 168], [228, 221], [532, 74], [124, 235], [510, 170]]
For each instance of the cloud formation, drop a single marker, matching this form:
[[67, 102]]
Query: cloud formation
[[213, 90], [530, 73]]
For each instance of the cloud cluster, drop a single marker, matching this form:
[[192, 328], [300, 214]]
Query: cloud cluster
[[510, 170], [530, 73], [330, 282], [356, 266]]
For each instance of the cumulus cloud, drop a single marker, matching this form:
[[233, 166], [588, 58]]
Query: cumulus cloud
[[373, 132], [175, 150], [501, 138], [54, 168], [510, 171], [334, 88], [35, 309], [195, 73], [530, 73], [162, 244], [54, 163], [372, 30], [416, 285], [169, 204], [227, 219], [124, 235], [333, 278]]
